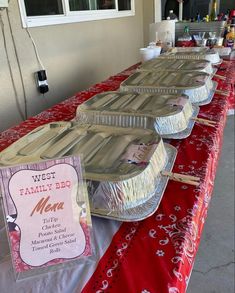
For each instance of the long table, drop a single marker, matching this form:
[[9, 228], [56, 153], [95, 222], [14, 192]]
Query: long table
[[150, 256]]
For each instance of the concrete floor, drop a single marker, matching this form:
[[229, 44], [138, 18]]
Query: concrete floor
[[214, 267]]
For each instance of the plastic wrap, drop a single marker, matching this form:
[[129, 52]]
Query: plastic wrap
[[167, 114], [122, 165], [197, 85], [161, 64]]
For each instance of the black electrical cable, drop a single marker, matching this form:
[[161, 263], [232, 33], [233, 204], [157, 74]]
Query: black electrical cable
[[18, 63], [10, 69]]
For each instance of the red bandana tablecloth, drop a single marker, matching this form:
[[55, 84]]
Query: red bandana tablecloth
[[156, 255]]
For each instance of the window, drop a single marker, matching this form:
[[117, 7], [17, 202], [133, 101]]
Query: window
[[37, 7], [47, 12]]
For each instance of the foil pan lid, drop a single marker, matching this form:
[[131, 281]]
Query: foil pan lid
[[168, 80], [105, 149], [130, 103], [161, 64], [209, 55]]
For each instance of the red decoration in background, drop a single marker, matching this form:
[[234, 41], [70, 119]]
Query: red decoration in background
[[185, 44]]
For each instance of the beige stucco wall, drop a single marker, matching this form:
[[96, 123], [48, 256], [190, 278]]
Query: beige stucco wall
[[75, 56], [148, 17]]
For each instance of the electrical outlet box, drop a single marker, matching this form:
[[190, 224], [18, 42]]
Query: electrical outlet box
[[3, 3], [41, 79]]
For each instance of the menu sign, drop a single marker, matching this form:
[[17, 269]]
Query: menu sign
[[46, 208]]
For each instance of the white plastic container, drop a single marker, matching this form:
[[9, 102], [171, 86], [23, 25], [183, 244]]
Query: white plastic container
[[147, 54], [157, 50]]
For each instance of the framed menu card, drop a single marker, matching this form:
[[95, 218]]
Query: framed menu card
[[47, 215]]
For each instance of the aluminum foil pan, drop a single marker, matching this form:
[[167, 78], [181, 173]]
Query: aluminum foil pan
[[122, 165], [149, 207], [189, 49], [210, 95], [209, 55], [160, 64], [223, 51], [169, 115], [196, 85], [187, 131]]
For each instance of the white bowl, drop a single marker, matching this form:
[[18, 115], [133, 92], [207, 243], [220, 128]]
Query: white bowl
[[146, 54]]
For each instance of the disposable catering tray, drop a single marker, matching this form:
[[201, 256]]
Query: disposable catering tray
[[223, 51], [198, 86], [185, 53], [161, 64], [122, 165], [189, 49], [170, 115]]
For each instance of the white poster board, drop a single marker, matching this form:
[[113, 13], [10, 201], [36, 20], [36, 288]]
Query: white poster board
[[47, 214]]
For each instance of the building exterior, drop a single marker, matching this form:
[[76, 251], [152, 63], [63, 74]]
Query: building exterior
[[75, 56]]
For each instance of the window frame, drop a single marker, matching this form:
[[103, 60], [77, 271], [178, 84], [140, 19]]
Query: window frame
[[72, 16]]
